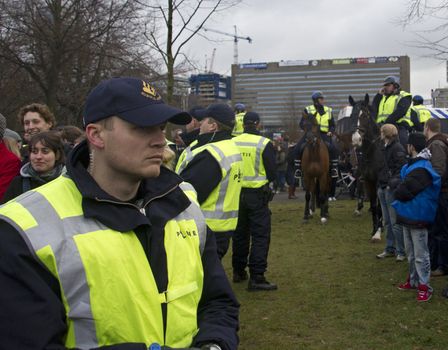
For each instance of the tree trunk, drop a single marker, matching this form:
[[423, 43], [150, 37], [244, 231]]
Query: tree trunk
[[169, 55]]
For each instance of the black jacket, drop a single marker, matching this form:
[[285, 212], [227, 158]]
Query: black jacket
[[32, 314], [394, 159]]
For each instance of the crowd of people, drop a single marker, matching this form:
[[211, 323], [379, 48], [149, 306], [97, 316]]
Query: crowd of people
[[112, 237]]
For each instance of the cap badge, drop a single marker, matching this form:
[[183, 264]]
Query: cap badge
[[149, 91]]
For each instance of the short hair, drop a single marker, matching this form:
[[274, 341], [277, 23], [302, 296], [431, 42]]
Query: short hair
[[389, 130], [53, 141], [71, 133], [43, 111], [222, 126], [433, 125]]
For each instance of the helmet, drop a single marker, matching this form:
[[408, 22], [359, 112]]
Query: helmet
[[240, 107], [317, 94], [392, 80], [417, 99]]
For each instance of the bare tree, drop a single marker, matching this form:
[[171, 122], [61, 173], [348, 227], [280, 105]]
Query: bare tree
[[292, 117], [173, 24], [66, 47], [433, 39]]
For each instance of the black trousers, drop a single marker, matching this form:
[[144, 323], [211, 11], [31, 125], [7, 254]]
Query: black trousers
[[253, 233], [438, 235]]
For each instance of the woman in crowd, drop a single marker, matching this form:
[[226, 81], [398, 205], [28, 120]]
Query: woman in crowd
[[46, 164]]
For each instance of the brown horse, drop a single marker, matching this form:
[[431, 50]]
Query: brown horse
[[315, 168]]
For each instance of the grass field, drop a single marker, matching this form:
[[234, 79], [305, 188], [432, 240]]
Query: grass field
[[333, 292]]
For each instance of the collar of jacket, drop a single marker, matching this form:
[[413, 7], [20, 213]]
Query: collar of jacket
[[119, 215], [252, 131], [212, 137], [189, 137], [438, 137]]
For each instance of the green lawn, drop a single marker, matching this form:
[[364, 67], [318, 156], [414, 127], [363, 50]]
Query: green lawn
[[333, 292]]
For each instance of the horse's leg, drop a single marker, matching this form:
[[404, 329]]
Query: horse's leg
[[376, 230], [306, 214], [360, 197], [317, 194], [323, 198]]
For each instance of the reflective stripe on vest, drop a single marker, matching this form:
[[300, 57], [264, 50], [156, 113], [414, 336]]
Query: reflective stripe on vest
[[220, 209], [185, 157], [389, 104], [422, 113], [122, 303], [322, 120], [251, 148], [238, 129]]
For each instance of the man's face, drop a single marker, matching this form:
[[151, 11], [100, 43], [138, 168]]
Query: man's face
[[207, 126], [193, 125], [389, 89], [133, 152], [320, 101], [33, 124]]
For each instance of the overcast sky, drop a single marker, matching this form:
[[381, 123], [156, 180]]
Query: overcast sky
[[320, 29]]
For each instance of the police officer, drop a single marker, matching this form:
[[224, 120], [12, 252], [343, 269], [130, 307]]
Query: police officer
[[393, 106], [324, 118], [114, 254], [213, 165], [419, 113], [254, 220], [240, 111]]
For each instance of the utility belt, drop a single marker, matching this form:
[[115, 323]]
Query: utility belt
[[265, 192]]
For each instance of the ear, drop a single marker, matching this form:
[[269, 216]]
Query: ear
[[366, 99], [351, 100], [94, 135]]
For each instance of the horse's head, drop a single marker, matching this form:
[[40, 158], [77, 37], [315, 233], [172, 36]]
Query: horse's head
[[362, 120], [311, 129]]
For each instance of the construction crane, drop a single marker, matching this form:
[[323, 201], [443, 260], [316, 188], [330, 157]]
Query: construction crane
[[235, 40], [212, 60]]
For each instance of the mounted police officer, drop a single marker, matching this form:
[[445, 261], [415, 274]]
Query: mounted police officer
[[325, 120], [254, 219], [419, 113], [213, 165], [116, 253], [393, 106], [240, 111]]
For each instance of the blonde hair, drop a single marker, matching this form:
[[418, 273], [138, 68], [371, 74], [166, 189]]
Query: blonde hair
[[12, 145], [389, 131], [168, 158]]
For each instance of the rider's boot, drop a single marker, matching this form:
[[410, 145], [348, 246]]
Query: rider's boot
[[297, 168], [334, 168]]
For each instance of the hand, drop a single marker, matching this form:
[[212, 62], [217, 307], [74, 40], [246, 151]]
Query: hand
[[381, 91], [330, 134]]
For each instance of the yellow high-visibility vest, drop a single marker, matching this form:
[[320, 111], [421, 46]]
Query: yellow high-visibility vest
[[220, 209], [422, 112], [107, 285], [251, 148], [238, 129], [322, 120], [389, 104]]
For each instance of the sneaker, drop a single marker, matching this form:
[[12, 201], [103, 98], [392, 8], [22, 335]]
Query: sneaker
[[239, 276], [424, 293], [406, 286], [400, 258], [438, 272], [385, 255], [259, 283]]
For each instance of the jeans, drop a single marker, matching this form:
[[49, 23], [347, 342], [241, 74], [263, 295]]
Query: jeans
[[394, 232], [416, 244]]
